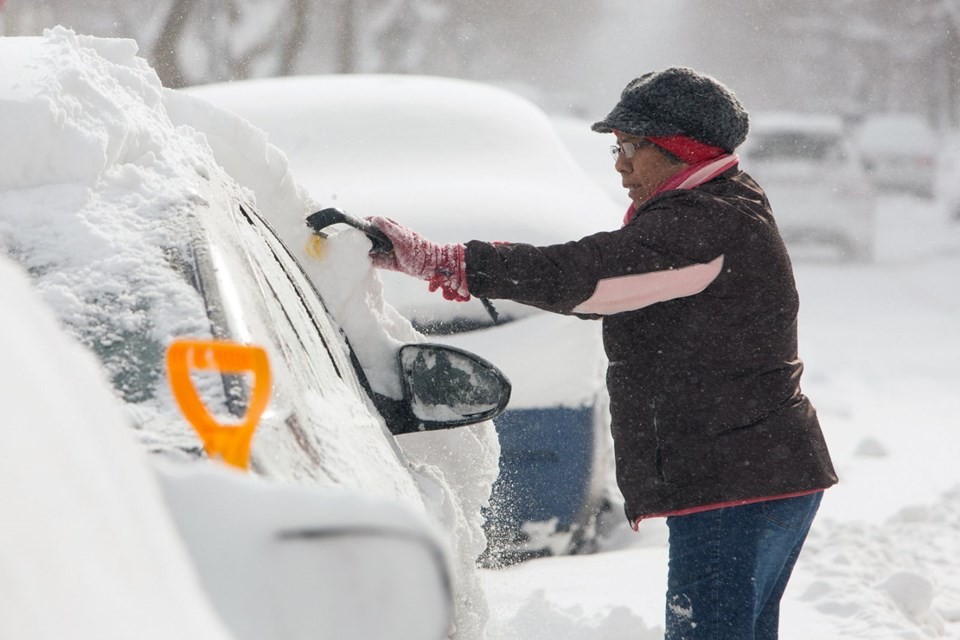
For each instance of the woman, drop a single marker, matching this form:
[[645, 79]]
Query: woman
[[699, 309]]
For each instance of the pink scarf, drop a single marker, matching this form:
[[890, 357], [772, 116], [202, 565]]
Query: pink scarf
[[691, 177]]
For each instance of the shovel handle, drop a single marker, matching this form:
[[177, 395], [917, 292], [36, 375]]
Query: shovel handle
[[324, 218], [229, 442]]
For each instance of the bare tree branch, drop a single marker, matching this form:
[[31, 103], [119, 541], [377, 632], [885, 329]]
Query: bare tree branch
[[294, 42], [166, 50], [346, 40]]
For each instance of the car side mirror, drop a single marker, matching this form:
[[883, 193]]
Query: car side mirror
[[446, 387]]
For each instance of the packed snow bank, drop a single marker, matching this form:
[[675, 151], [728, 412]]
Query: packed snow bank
[[95, 145], [539, 619], [104, 135], [87, 548]]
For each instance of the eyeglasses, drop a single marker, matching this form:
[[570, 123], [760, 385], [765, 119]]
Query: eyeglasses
[[628, 149]]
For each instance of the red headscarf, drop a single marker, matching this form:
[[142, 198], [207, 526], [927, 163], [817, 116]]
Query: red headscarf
[[687, 149]]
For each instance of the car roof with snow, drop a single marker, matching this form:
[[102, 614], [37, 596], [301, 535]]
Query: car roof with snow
[[454, 159], [496, 167]]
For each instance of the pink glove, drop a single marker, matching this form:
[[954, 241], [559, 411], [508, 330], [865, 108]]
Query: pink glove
[[442, 265]]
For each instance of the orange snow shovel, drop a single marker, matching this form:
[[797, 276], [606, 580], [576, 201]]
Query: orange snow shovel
[[230, 443]]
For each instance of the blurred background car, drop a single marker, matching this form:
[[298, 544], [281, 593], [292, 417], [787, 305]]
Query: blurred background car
[[899, 152], [948, 176], [459, 160], [814, 180]]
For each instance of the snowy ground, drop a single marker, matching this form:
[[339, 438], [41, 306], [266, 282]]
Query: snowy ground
[[881, 344]]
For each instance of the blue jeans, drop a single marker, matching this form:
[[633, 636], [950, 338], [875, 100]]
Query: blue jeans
[[729, 568]]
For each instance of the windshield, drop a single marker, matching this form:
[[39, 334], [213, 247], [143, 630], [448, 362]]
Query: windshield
[[213, 271]]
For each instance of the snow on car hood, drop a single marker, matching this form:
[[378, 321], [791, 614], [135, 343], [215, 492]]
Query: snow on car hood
[[90, 132]]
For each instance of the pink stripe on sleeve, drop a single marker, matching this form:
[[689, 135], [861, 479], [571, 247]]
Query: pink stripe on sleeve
[[629, 293]]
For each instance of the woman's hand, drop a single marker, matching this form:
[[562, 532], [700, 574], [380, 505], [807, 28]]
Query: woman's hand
[[442, 265]]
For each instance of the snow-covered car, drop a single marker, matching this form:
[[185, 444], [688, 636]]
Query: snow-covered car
[[814, 180], [899, 151], [135, 235], [458, 160], [278, 561]]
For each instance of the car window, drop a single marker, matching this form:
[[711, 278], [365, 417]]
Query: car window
[[228, 277], [118, 316]]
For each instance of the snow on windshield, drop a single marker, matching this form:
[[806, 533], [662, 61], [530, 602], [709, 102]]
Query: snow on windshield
[[92, 201]]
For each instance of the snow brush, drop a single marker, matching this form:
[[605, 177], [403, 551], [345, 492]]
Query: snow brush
[[324, 218]]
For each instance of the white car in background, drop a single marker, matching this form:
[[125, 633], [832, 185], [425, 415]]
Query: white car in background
[[458, 160], [900, 152], [814, 179]]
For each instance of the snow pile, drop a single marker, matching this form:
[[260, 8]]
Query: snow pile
[[91, 194], [102, 163], [539, 619], [86, 548], [868, 578], [87, 149]]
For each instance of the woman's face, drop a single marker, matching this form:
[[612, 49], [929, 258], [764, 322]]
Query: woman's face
[[642, 174]]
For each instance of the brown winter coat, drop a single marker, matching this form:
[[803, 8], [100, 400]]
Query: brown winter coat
[[699, 311]]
